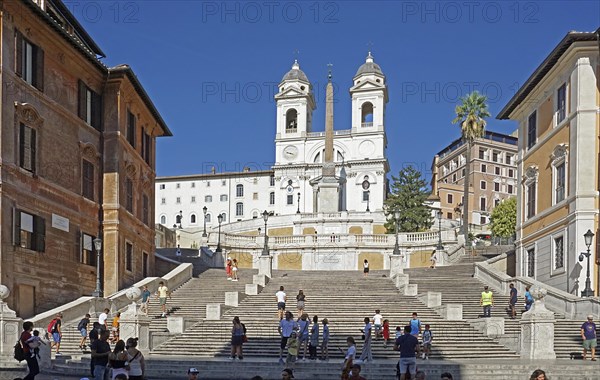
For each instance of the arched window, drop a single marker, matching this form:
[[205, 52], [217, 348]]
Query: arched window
[[254, 214], [291, 120], [208, 218], [193, 218], [239, 190], [163, 220], [367, 115]]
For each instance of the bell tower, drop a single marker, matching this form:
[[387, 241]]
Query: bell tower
[[295, 104], [369, 98]]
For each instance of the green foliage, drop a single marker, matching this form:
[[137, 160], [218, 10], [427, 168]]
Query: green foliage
[[408, 195], [471, 114], [504, 218]]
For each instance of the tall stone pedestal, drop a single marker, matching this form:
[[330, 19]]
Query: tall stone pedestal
[[135, 325], [396, 266], [10, 331], [537, 330], [328, 195], [265, 265], [45, 360]]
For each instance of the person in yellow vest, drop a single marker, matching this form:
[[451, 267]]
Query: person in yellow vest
[[487, 301]]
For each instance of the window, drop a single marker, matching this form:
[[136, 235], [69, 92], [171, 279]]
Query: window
[[193, 219], [531, 130], [483, 168], [561, 103], [129, 195], [30, 62], [161, 186], [254, 214], [27, 148], [496, 186], [495, 156], [509, 159], [482, 185], [497, 170], [559, 172], [163, 201], [450, 199], [193, 199], [496, 202], [178, 200], [163, 220], [223, 197], [290, 199], [530, 200], [223, 182], [89, 107], [145, 209], [207, 183], [291, 120], [208, 218], [454, 177], [272, 180], [144, 264], [193, 185], [531, 262], [129, 256], [224, 216], [255, 181], [30, 231], [87, 255], [449, 215], [482, 154], [208, 198], [255, 196], [239, 209], [87, 179], [482, 204], [511, 173], [365, 196], [559, 259], [271, 198], [147, 148], [482, 220], [131, 128], [462, 173], [177, 185], [239, 191], [509, 189]]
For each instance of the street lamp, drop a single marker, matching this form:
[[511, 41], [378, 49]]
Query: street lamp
[[204, 210], [396, 219], [368, 200], [178, 219], [588, 236], [98, 245], [220, 220], [298, 212], [439, 216], [265, 251]]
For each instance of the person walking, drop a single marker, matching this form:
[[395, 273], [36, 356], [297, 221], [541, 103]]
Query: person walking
[[415, 329], [325, 340], [300, 298], [366, 354], [237, 339], [365, 268], [32, 362], [386, 332], [513, 301], [433, 259], [303, 326], [234, 270], [407, 344], [137, 363], [57, 333], [588, 334], [377, 323], [228, 266], [487, 301], [115, 327], [82, 328], [100, 351], [162, 292], [118, 360], [348, 358], [285, 329], [281, 299], [528, 299], [314, 339], [145, 299], [102, 320], [427, 339]]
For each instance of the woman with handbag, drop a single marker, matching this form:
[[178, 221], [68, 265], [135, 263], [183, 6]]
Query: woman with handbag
[[119, 360], [137, 363], [237, 339]]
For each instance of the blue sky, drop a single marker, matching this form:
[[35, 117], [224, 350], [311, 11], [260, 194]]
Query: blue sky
[[211, 67]]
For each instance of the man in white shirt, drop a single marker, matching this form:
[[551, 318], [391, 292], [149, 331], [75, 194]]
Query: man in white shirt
[[162, 293], [377, 323], [281, 298], [102, 319]]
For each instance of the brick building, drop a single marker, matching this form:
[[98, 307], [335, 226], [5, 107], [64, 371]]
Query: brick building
[[78, 161]]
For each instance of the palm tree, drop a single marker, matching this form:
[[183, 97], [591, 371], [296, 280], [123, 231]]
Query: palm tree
[[471, 114]]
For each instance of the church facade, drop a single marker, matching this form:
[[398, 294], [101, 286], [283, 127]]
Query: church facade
[[291, 186]]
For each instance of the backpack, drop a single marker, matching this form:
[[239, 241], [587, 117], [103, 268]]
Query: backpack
[[82, 324], [51, 326], [19, 353]]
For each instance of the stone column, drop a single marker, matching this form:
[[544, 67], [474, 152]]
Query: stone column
[[10, 327], [537, 329], [133, 324], [265, 265], [396, 266]]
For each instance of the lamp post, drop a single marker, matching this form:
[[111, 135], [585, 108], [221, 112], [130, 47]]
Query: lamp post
[[588, 236], [98, 247], [298, 212], [439, 216], [368, 200], [220, 220], [204, 210], [396, 219], [265, 251], [178, 219]]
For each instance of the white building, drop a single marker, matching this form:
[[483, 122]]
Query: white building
[[359, 155]]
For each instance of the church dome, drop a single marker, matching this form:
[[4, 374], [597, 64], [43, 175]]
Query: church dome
[[295, 73], [369, 67]]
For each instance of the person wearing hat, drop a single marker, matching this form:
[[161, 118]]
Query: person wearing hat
[[193, 373], [487, 301], [588, 334], [287, 374]]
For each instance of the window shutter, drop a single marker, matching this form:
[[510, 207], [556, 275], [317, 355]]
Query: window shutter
[[22, 145], [78, 245], [39, 68], [39, 234], [19, 53], [97, 111], [81, 100], [16, 226], [33, 150]]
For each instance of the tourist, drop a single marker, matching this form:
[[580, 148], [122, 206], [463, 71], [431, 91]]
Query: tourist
[[237, 339], [588, 334], [234, 270], [325, 340], [427, 339], [303, 324], [293, 346], [348, 358], [115, 327], [447, 376], [137, 363], [433, 259], [228, 265], [193, 373], [281, 298], [538, 374], [285, 329], [415, 328], [34, 343], [82, 328], [145, 300], [118, 359], [528, 299], [100, 351], [377, 323], [420, 375], [386, 332], [32, 363], [355, 372], [366, 354], [398, 333], [314, 339], [102, 320], [513, 301], [407, 344], [487, 301], [162, 292], [93, 337], [300, 298], [366, 268], [287, 374]]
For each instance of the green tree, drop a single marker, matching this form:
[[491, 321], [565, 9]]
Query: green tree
[[409, 193], [470, 114], [504, 218]]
